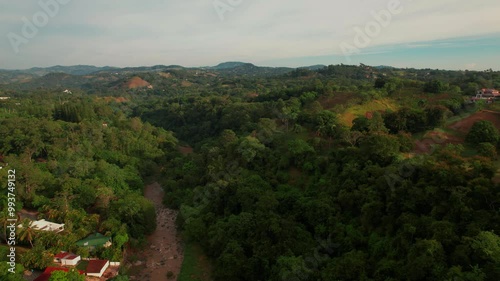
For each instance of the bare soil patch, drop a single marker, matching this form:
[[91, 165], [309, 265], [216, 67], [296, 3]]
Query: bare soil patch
[[435, 138], [185, 150], [165, 74], [136, 82], [462, 127], [337, 99], [465, 124]]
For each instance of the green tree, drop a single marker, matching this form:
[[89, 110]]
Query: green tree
[[26, 232], [71, 275], [483, 131], [435, 86], [38, 257], [487, 245]]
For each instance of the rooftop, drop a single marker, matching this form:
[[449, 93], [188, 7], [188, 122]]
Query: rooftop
[[47, 226], [48, 272], [71, 257], [96, 239], [61, 255], [95, 266]]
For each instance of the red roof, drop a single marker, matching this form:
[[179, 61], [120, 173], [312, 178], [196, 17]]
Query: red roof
[[48, 272], [71, 257], [51, 269], [61, 255], [95, 266]]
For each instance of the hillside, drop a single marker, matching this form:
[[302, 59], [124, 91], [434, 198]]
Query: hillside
[[330, 173]]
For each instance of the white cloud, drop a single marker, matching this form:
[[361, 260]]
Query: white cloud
[[126, 32]]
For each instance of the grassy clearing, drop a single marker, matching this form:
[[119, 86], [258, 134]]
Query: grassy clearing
[[360, 110], [195, 266]]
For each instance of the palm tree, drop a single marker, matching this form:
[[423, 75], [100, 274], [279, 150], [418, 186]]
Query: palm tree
[[26, 232]]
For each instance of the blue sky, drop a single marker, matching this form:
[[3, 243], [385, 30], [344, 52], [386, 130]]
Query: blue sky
[[445, 34]]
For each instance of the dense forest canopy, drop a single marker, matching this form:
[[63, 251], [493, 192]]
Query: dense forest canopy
[[312, 174]]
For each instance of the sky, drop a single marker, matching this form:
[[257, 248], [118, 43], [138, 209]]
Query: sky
[[442, 34]]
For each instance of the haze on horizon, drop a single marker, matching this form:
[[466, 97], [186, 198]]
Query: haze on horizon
[[442, 34]]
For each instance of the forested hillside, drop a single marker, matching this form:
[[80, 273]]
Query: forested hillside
[[335, 173], [81, 162]]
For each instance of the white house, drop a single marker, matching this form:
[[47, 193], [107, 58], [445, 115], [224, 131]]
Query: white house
[[47, 226], [65, 258], [71, 260], [60, 256]]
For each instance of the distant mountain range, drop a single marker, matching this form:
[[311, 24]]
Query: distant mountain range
[[89, 76], [90, 69]]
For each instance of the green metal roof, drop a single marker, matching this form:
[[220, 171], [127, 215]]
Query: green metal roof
[[96, 239]]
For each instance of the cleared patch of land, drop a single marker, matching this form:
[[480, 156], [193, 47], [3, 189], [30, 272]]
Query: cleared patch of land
[[465, 124], [436, 137], [185, 150], [455, 132], [360, 110], [341, 98], [136, 82]]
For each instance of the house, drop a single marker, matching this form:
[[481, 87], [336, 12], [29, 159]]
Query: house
[[488, 93], [71, 260], [67, 259], [95, 240], [480, 97], [96, 268], [58, 257], [48, 272], [47, 226]]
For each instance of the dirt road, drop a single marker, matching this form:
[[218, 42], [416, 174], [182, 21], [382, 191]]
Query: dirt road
[[164, 252]]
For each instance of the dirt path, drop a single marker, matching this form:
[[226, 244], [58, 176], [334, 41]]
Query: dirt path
[[164, 252]]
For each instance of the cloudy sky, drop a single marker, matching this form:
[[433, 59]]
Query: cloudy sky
[[445, 34]]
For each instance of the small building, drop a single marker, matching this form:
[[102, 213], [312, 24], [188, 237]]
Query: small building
[[95, 240], [4, 98], [96, 268], [71, 260], [67, 259], [60, 256], [488, 93], [44, 225]]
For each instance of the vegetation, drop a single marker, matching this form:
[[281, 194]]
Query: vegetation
[[277, 186]]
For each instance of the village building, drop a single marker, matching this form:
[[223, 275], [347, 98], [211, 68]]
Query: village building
[[95, 240], [96, 268], [44, 225]]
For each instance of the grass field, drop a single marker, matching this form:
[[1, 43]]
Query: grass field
[[360, 110], [195, 266]]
